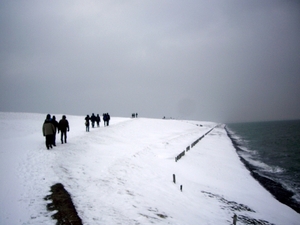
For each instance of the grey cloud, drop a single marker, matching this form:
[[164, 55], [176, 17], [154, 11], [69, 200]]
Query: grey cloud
[[220, 61]]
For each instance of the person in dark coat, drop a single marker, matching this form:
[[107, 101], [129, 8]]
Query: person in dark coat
[[93, 120], [104, 118], [63, 128], [87, 123], [98, 120], [108, 119], [48, 131], [55, 123]]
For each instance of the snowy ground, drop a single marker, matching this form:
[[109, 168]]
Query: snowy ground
[[123, 174]]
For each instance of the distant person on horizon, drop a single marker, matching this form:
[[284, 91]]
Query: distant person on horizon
[[48, 131], [98, 120], [87, 123], [63, 126], [106, 118], [93, 120], [55, 123]]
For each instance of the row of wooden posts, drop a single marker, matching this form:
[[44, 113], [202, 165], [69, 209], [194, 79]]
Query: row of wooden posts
[[183, 153], [186, 150], [191, 146]]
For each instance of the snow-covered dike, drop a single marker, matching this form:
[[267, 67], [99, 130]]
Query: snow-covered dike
[[123, 174]]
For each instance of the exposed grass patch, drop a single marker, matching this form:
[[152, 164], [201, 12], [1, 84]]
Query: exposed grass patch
[[62, 202]]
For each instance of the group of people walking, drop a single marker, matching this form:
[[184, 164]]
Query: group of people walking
[[50, 127], [134, 115], [96, 119]]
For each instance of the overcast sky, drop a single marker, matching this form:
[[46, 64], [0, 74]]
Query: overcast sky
[[214, 60]]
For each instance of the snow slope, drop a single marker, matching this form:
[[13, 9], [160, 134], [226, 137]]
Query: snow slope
[[123, 174]]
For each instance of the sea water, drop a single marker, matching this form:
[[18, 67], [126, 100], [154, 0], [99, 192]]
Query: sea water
[[272, 149]]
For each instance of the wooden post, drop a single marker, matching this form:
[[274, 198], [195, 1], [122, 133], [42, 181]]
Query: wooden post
[[174, 179], [234, 219]]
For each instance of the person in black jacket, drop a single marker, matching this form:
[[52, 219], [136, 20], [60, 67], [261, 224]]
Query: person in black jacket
[[104, 118], [98, 120], [108, 119], [63, 128], [93, 120], [87, 123], [55, 123]]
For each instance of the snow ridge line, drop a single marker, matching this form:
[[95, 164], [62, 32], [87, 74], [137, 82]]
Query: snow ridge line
[[192, 145]]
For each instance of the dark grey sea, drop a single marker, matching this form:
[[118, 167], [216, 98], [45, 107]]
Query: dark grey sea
[[271, 151]]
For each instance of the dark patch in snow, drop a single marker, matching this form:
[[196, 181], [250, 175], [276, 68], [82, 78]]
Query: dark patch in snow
[[248, 220], [149, 217], [233, 206], [62, 202], [129, 192], [237, 207], [161, 215]]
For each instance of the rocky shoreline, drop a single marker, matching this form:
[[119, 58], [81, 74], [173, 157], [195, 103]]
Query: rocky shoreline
[[276, 189]]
